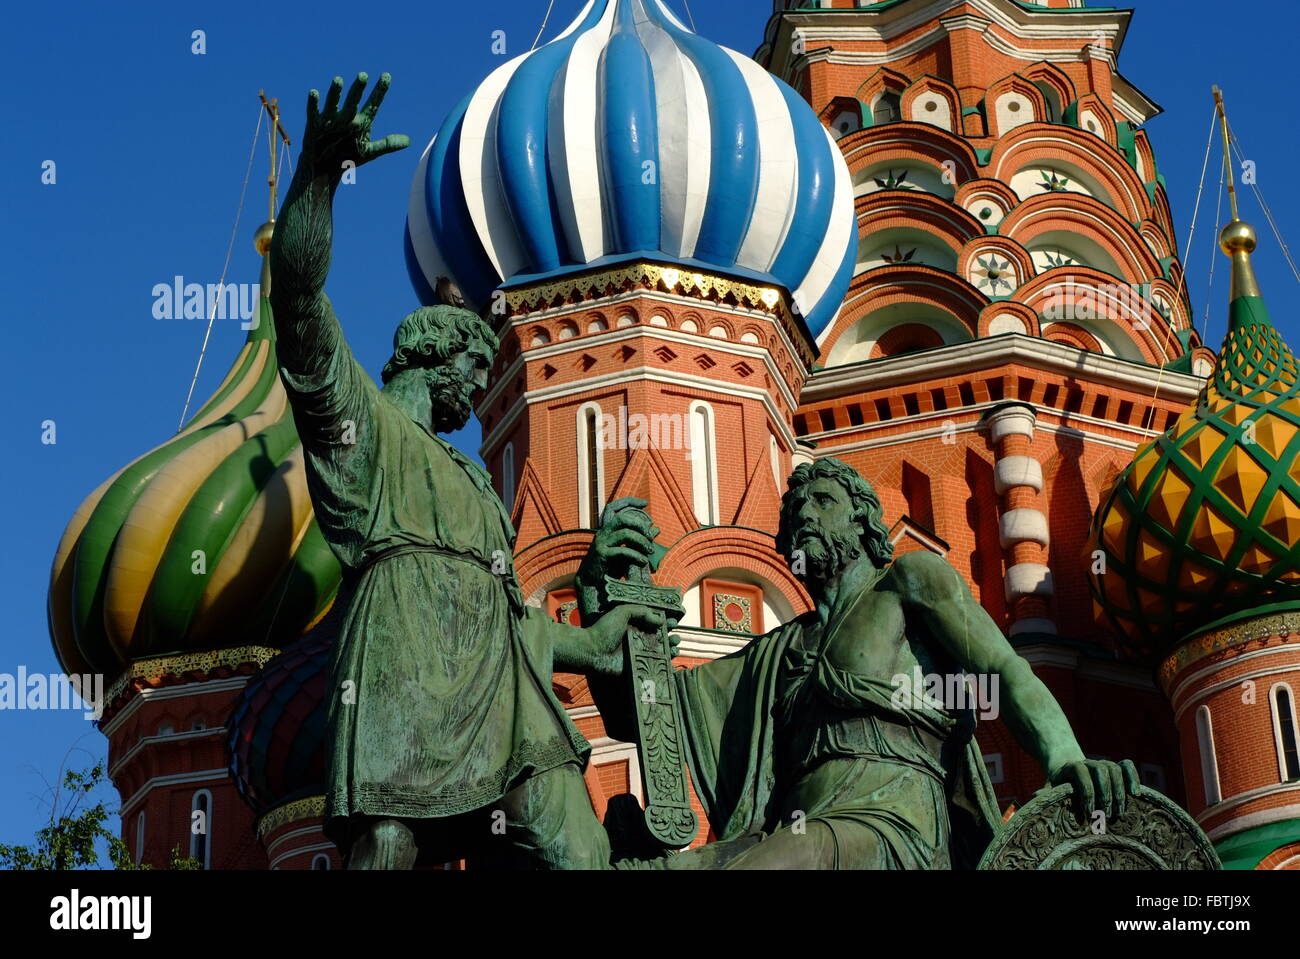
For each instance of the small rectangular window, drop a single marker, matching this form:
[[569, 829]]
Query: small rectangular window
[[993, 763]]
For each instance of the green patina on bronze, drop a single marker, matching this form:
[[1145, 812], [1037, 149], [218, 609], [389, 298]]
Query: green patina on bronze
[[445, 740], [799, 745], [440, 701]]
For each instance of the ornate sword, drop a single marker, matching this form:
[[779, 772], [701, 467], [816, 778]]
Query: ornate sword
[[668, 814]]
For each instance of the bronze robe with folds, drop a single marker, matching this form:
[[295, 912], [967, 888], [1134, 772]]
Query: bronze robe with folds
[[440, 696], [777, 735]]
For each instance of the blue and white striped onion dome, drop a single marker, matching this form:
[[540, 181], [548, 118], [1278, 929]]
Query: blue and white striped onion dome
[[629, 136]]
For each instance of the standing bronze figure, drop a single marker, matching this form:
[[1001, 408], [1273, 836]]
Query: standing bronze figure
[[445, 739]]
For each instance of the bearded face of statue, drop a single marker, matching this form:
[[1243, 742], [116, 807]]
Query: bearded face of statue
[[823, 531], [456, 384]]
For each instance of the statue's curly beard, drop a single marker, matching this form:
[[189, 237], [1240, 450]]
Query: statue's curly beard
[[452, 399], [825, 552]]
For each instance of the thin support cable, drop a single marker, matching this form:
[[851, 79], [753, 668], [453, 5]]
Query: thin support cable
[[1182, 282], [1214, 249], [1268, 213], [542, 29], [1196, 210], [221, 286]]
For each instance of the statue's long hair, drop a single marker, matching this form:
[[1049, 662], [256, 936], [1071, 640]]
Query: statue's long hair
[[431, 334], [866, 506]]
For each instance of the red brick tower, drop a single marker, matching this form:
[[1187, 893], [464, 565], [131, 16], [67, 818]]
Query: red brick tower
[[675, 387], [1017, 322]]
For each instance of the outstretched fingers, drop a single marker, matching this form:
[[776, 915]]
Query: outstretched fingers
[[377, 96], [332, 96], [354, 96], [389, 144]]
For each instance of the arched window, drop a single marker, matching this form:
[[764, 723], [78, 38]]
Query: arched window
[[201, 828], [508, 477], [888, 108], [775, 451], [704, 464], [1209, 764], [320, 861], [591, 466], [1284, 732], [139, 838]]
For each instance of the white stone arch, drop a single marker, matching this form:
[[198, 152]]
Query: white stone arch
[[1050, 248], [590, 465], [1014, 109], [704, 463], [1285, 731], [856, 343], [1110, 336], [201, 840], [925, 248], [932, 107], [1209, 760], [1029, 181], [921, 177], [508, 477], [776, 608]]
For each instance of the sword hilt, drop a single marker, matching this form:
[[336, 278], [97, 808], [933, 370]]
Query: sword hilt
[[660, 747]]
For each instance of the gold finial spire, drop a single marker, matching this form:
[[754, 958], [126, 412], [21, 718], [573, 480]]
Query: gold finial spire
[[1238, 239], [262, 238]]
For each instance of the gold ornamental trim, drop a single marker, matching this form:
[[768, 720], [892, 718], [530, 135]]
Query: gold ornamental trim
[[646, 275], [1237, 634], [306, 808], [159, 666]]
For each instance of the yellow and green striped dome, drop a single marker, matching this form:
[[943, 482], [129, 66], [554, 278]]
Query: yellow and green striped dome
[[1204, 524], [207, 542]]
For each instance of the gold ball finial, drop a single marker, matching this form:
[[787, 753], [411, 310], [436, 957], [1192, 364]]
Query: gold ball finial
[[262, 238], [1238, 237]]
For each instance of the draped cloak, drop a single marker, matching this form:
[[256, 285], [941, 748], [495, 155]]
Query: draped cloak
[[737, 713], [440, 697]]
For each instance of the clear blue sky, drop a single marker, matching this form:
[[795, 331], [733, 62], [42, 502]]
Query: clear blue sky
[[151, 143]]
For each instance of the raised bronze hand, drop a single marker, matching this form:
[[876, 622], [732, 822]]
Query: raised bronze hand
[[340, 135], [336, 137]]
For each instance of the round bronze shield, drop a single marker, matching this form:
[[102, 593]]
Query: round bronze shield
[[1153, 834]]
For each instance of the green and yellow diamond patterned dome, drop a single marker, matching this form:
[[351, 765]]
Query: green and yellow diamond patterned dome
[[1204, 525]]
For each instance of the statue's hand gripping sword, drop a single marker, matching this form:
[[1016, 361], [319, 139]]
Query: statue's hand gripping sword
[[649, 667]]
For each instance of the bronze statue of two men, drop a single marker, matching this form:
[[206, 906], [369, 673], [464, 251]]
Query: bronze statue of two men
[[445, 739]]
